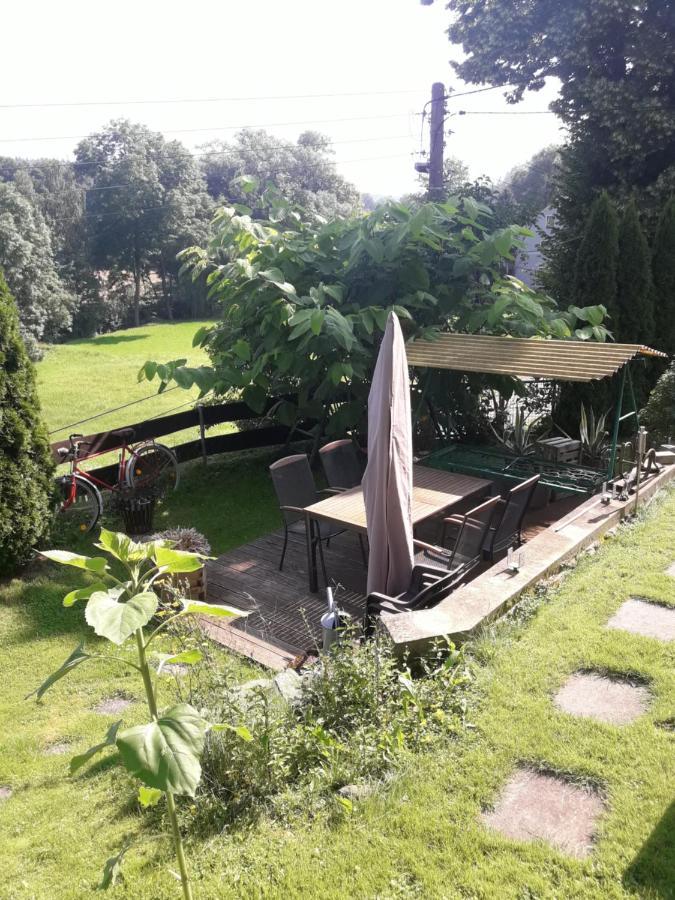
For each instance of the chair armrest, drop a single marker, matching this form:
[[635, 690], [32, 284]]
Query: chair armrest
[[453, 520], [332, 490], [295, 509], [424, 546]]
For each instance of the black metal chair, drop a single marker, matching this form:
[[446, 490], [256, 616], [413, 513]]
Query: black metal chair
[[343, 464], [295, 489], [428, 586], [470, 532], [506, 530]]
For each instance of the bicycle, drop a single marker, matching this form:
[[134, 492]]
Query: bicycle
[[147, 464]]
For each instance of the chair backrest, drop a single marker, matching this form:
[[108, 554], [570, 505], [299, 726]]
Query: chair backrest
[[342, 464], [293, 484], [508, 529], [434, 592], [468, 549]]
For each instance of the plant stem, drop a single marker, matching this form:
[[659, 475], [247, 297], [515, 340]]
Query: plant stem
[[170, 802]]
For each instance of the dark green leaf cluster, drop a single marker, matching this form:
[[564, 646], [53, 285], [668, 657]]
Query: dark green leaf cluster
[[25, 457]]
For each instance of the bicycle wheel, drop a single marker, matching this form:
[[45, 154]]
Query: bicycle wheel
[[153, 465], [79, 502]]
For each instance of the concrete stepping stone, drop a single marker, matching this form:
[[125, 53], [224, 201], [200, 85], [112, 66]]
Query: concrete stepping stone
[[57, 748], [645, 618], [111, 706], [671, 570], [595, 696], [536, 806], [5, 792]]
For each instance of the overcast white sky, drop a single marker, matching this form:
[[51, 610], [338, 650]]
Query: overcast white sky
[[75, 52]]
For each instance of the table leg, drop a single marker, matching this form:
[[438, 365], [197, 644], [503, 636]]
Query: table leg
[[311, 556]]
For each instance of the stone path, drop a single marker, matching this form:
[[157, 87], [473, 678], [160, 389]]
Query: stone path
[[546, 807], [57, 748], [538, 806], [645, 618], [595, 696], [5, 792], [111, 706]]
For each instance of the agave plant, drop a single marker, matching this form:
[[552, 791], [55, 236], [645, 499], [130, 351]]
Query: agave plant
[[593, 434], [518, 437]]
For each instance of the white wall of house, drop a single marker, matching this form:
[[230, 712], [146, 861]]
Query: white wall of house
[[530, 259]]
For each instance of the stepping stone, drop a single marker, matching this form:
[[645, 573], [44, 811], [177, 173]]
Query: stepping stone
[[112, 705], [57, 748], [595, 696], [5, 792], [534, 806], [671, 570], [648, 619]]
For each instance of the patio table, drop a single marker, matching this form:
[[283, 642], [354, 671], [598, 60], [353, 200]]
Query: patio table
[[434, 492]]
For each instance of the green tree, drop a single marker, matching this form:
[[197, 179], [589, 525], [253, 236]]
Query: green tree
[[596, 263], [635, 301], [304, 172], [25, 458], [144, 195], [529, 188], [26, 255], [663, 275]]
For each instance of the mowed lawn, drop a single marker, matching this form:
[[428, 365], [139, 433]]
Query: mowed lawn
[[420, 836], [85, 377]]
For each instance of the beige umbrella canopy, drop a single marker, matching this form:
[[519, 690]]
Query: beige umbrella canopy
[[387, 482]]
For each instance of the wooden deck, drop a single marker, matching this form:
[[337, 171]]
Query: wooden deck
[[283, 627]]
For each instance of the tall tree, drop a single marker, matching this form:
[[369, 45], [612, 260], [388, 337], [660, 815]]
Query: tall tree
[[304, 172], [529, 187], [635, 301], [25, 458], [26, 255], [143, 194], [596, 264], [663, 274]]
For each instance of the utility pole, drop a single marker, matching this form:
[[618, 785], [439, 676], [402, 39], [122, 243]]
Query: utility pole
[[436, 141]]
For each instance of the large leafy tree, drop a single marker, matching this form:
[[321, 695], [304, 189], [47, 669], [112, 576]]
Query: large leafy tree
[[304, 306], [304, 172], [26, 255], [25, 458], [145, 198], [663, 274]]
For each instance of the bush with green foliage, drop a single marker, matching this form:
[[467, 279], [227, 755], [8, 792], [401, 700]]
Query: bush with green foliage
[[658, 416], [25, 457], [304, 306], [635, 301], [359, 716]]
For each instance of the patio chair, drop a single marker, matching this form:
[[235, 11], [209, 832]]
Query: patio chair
[[342, 464], [470, 532], [428, 586], [295, 489], [506, 530]]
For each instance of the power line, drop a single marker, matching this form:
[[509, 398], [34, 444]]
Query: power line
[[167, 101], [505, 112], [76, 137]]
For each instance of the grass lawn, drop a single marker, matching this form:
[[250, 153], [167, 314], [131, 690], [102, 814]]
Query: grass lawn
[[85, 377], [419, 837]]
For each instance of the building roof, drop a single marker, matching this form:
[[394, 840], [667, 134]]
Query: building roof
[[536, 358]]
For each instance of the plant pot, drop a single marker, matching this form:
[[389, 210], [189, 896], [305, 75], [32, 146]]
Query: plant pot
[[137, 514]]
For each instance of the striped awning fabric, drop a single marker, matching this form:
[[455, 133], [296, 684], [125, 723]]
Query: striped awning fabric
[[525, 357]]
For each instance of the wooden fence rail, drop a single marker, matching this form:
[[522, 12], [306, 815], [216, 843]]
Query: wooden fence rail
[[202, 417]]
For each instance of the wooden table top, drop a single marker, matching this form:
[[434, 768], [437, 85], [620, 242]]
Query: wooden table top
[[433, 492]]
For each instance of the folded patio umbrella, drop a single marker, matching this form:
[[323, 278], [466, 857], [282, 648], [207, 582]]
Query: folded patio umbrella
[[387, 482]]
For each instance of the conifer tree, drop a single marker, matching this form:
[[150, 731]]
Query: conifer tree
[[635, 301], [25, 458], [663, 276], [596, 262]]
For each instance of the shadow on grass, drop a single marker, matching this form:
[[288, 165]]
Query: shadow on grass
[[116, 339], [651, 872]]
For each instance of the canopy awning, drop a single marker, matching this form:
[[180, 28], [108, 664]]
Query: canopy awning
[[525, 357]]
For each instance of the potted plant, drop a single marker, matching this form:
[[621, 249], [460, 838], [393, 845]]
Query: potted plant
[[188, 540], [136, 507]]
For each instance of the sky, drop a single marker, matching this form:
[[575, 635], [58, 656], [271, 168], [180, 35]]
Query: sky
[[253, 63]]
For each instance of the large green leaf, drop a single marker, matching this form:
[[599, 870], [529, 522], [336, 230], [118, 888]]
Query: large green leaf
[[83, 593], [197, 608], [76, 657], [165, 754], [95, 564], [185, 657], [115, 619], [176, 561], [109, 741]]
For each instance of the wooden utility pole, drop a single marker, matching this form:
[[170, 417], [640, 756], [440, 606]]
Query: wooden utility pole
[[436, 141]]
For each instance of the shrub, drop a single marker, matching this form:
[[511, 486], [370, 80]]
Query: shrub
[[359, 716], [25, 458], [658, 416]]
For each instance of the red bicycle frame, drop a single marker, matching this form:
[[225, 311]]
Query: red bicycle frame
[[75, 469]]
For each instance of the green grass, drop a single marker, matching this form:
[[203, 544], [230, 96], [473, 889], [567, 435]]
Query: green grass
[[85, 377], [419, 837]]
